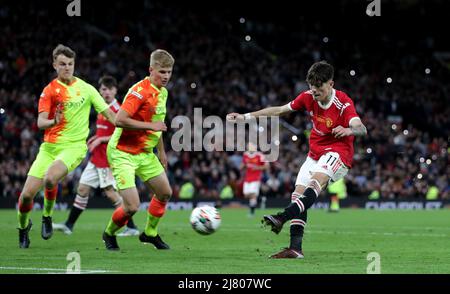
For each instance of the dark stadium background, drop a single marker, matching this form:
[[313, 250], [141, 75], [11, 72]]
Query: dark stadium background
[[406, 43]]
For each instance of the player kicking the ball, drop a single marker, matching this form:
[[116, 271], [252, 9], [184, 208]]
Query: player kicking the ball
[[97, 172], [140, 122], [335, 124]]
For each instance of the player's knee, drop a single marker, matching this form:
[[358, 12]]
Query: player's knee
[[27, 195], [131, 209], [321, 179], [83, 191], [164, 195], [50, 181]]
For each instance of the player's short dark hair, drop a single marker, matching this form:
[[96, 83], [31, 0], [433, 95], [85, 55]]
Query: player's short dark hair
[[64, 50], [319, 73], [108, 82]]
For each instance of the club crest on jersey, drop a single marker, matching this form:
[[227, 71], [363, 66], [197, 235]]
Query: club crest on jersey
[[326, 120]]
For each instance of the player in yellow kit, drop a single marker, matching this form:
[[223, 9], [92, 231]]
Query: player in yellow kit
[[64, 108], [139, 126]]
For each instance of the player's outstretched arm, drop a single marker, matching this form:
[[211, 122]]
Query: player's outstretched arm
[[123, 120], [110, 115], [94, 143], [269, 111]]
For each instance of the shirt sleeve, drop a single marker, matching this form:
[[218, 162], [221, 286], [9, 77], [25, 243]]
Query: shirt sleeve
[[299, 102], [349, 113], [45, 101], [133, 100], [97, 100]]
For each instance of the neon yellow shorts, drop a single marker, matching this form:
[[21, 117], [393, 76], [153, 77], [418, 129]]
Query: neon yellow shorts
[[70, 154], [125, 166]]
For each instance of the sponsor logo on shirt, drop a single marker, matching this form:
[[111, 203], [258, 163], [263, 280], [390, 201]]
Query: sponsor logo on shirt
[[134, 93], [71, 104]]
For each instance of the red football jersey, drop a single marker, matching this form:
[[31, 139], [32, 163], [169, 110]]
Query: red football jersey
[[339, 112], [104, 128], [250, 160]]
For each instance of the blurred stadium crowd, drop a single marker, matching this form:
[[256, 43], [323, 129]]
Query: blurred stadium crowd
[[226, 61]]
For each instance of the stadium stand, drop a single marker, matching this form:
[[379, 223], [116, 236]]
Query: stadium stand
[[402, 94]]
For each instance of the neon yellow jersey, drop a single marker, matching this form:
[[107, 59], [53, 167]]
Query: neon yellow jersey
[[75, 100], [143, 102]]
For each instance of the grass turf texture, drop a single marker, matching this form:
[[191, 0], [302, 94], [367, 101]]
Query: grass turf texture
[[407, 241]]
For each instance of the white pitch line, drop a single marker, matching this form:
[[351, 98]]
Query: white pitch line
[[392, 234], [59, 270]]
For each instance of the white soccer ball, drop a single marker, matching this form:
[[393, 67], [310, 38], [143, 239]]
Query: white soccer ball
[[205, 220]]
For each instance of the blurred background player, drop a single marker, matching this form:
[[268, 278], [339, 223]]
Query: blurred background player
[[140, 122], [97, 172], [336, 191], [254, 164], [64, 108], [335, 123]]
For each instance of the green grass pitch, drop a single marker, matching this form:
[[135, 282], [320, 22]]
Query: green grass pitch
[[407, 242]]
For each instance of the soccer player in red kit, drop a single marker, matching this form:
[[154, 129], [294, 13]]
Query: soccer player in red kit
[[97, 172], [335, 124], [254, 163]]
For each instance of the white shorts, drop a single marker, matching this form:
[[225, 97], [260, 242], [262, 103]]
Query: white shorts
[[329, 163], [251, 188], [95, 177]]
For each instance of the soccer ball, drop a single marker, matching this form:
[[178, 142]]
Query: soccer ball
[[205, 220]]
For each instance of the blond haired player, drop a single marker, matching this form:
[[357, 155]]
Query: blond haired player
[[139, 127]]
